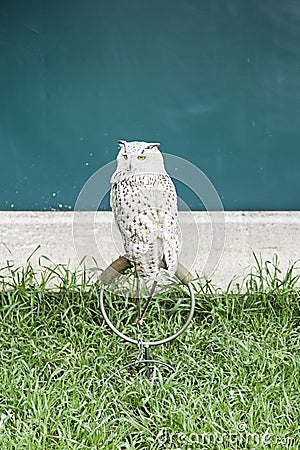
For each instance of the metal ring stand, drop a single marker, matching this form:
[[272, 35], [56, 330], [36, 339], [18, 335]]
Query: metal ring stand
[[184, 277]]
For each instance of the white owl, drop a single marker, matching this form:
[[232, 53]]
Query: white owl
[[144, 202]]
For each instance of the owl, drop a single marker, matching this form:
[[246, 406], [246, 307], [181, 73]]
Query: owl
[[144, 202]]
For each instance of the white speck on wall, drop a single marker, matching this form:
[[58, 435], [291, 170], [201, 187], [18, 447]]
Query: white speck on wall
[[60, 205], [53, 194], [86, 163], [12, 205]]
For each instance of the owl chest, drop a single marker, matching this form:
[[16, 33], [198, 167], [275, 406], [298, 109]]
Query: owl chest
[[138, 188]]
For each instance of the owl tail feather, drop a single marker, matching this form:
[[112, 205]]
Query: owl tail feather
[[170, 261]]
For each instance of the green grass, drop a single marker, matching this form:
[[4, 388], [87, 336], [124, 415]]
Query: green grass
[[237, 380]]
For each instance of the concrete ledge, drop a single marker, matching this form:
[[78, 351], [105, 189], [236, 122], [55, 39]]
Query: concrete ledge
[[217, 245]]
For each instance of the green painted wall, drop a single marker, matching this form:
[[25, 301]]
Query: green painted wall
[[216, 82]]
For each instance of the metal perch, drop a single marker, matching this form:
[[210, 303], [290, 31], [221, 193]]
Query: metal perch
[[110, 274]]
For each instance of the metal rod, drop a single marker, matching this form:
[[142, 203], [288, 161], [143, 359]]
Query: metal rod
[[135, 341], [138, 299], [147, 358], [136, 363], [148, 302]]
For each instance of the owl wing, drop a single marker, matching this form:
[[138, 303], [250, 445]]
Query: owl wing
[[170, 226]]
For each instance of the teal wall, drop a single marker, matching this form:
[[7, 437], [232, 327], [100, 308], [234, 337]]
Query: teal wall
[[216, 82]]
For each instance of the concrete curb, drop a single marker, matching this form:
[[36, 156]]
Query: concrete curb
[[218, 245]]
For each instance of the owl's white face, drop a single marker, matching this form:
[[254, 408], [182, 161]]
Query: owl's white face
[[139, 157]]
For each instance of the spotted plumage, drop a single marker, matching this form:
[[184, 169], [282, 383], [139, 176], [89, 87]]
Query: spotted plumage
[[144, 202]]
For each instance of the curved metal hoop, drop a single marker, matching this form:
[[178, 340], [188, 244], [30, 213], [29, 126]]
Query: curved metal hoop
[[150, 343], [136, 363]]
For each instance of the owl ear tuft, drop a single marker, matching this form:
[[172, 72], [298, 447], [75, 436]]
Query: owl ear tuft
[[153, 145], [122, 143]]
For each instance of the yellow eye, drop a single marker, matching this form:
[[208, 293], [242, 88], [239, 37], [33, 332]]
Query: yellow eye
[[125, 156], [141, 158]]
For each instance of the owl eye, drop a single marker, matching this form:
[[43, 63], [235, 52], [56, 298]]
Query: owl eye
[[125, 156], [141, 158]]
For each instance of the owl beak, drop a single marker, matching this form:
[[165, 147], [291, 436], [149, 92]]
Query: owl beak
[[130, 165]]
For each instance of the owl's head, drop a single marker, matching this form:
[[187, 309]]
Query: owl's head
[[138, 157]]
